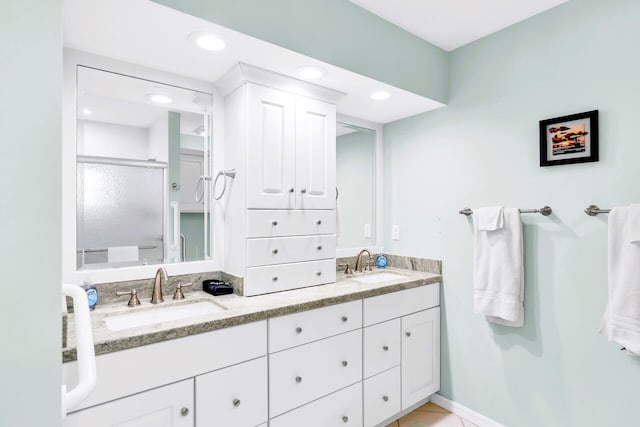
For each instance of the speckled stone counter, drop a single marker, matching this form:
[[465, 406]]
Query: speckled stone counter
[[239, 310]]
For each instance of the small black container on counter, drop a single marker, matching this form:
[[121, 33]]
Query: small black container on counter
[[216, 287]]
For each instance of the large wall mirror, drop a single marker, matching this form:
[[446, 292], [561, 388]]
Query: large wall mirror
[[143, 162], [357, 178]]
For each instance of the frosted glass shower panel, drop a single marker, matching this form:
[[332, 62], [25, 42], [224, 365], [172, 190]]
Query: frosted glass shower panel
[[109, 197]]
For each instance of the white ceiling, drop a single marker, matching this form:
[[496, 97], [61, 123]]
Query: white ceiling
[[146, 33], [450, 24]]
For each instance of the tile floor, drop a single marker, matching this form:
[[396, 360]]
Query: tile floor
[[431, 415]]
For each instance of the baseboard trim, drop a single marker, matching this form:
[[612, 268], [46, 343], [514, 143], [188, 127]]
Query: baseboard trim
[[464, 412]]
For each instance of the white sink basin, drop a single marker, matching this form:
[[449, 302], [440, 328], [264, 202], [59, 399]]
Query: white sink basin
[[378, 278], [158, 315]]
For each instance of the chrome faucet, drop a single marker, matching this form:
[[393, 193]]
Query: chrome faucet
[[358, 267], [156, 295]]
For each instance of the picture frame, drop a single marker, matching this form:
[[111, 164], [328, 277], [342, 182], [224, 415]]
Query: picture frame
[[569, 139]]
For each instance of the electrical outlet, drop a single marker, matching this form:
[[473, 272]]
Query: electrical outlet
[[367, 231], [395, 232]]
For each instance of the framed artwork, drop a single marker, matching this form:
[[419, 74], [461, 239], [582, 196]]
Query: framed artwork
[[569, 139]]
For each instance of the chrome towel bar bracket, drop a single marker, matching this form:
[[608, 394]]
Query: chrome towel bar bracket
[[545, 211], [594, 210]]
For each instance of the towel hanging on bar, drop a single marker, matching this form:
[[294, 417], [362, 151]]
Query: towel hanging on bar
[[546, 211]]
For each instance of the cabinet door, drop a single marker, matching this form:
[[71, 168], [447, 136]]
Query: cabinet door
[[191, 169], [168, 406], [420, 356], [270, 149], [234, 396], [315, 154]]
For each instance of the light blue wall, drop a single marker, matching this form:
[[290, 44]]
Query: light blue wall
[[483, 150], [30, 172], [336, 32]]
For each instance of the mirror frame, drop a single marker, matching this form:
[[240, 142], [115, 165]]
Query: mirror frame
[[376, 246], [72, 59]]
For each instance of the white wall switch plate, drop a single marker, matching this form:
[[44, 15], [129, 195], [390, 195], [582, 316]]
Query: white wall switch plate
[[367, 231], [395, 232]]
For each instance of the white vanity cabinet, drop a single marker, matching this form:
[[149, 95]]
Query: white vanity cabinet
[[168, 406], [280, 137]]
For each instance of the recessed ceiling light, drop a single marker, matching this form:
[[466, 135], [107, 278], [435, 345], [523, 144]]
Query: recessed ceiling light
[[208, 41], [87, 112], [159, 99], [380, 95], [311, 73]]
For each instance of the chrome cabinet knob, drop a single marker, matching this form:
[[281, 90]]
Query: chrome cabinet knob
[[345, 363], [319, 247], [345, 318], [303, 191], [274, 251], [408, 333], [318, 222], [298, 330], [298, 379], [184, 412], [319, 273], [274, 223], [345, 419], [291, 190], [236, 402], [385, 347], [274, 279], [385, 398]]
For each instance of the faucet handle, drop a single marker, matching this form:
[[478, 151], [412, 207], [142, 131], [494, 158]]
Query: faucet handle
[[347, 270], [178, 294], [133, 301]]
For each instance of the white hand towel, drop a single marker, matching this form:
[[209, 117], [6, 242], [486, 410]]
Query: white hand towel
[[621, 321], [633, 224], [490, 218], [498, 271], [122, 254]]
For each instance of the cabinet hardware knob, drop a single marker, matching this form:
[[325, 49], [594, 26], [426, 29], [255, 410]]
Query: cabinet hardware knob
[[345, 419], [318, 222], [319, 273], [298, 379], [385, 347], [291, 190], [319, 247], [274, 251], [236, 402], [275, 278], [184, 412], [385, 398], [304, 190], [345, 363], [408, 333], [298, 330], [274, 223], [345, 318]]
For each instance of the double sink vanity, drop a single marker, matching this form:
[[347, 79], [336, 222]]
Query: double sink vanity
[[358, 352]]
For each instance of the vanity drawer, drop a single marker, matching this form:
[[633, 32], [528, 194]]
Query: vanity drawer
[[382, 396], [340, 409], [234, 396], [274, 278], [397, 304], [302, 374], [279, 250], [301, 328], [381, 347], [272, 223]]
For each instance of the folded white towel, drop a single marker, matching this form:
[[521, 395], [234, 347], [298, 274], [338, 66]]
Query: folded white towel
[[621, 321], [490, 218], [122, 254], [633, 224], [498, 271]]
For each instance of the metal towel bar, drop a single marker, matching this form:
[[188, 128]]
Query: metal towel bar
[[546, 211]]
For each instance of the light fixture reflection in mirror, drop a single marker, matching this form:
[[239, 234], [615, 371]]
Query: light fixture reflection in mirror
[[355, 178], [140, 151]]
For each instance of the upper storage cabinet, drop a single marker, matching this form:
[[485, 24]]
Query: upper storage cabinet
[[291, 151]]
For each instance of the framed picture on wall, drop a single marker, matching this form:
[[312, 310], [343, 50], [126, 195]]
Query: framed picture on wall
[[569, 139]]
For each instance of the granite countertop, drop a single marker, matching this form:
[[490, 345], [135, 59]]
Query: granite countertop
[[240, 310]]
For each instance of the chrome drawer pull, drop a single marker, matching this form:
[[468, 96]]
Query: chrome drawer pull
[[298, 330], [345, 363], [298, 379], [385, 347], [274, 251], [345, 318], [385, 398], [236, 402]]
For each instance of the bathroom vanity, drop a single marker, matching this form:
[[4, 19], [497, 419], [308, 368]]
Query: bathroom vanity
[[348, 353]]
